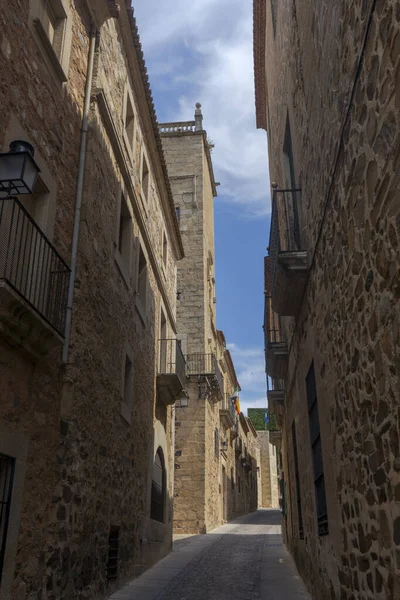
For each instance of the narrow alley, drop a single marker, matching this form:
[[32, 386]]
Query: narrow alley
[[243, 560]]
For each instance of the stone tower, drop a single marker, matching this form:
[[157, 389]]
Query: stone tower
[[188, 157]]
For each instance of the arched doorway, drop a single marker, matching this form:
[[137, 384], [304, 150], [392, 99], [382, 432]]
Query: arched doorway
[[158, 487]]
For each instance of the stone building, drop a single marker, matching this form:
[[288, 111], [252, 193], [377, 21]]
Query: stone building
[[269, 447], [88, 256], [327, 93], [215, 472]]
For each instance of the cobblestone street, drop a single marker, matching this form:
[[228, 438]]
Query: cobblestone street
[[244, 560]]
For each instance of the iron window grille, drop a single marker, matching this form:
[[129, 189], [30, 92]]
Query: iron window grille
[[297, 477], [113, 546], [7, 468], [316, 449]]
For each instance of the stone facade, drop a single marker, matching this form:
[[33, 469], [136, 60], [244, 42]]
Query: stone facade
[[327, 91], [214, 481], [83, 434], [269, 474]]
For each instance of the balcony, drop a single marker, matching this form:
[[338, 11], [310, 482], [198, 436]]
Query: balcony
[[228, 415], [276, 398], [205, 365], [171, 376], [276, 349], [275, 433], [289, 265], [247, 463], [238, 447], [33, 282]]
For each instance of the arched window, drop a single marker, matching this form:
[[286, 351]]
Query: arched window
[[158, 488]]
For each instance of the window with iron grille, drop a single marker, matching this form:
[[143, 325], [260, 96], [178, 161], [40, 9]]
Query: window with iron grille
[[112, 559], [216, 442], [316, 449], [158, 488], [7, 467], [296, 471]]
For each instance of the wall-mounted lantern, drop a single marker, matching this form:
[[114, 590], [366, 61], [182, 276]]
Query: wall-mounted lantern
[[18, 170]]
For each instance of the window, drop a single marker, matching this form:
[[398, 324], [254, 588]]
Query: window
[[142, 284], [129, 121], [127, 385], [144, 178], [112, 558], [296, 471], [316, 449], [158, 488], [164, 250], [274, 13], [216, 442], [36, 204], [7, 466], [290, 177], [178, 214], [232, 478], [124, 240], [51, 24]]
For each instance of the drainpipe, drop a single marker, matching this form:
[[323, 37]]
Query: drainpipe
[[79, 192]]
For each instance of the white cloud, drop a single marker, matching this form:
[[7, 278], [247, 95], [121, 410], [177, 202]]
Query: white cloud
[[250, 369], [204, 50]]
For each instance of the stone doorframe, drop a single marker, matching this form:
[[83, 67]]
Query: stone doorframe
[[15, 445]]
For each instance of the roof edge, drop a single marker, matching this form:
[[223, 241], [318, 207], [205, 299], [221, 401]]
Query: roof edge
[[259, 47]]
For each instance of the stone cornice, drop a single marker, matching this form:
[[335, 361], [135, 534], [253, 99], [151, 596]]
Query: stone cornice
[[259, 33]]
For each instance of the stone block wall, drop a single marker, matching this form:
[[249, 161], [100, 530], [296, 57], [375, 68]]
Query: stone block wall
[[89, 458], [333, 72], [36, 107], [190, 468], [269, 476]]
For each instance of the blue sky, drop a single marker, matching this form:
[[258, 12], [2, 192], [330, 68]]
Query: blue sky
[[202, 52]]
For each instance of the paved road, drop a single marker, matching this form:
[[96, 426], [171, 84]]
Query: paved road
[[243, 560]]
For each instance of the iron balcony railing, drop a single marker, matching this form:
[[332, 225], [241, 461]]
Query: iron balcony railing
[[171, 359], [205, 364], [275, 385], [272, 424], [230, 406], [285, 231], [31, 265], [272, 324]]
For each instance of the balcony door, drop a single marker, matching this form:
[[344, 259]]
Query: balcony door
[[291, 199]]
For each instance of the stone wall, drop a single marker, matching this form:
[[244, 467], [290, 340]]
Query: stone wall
[[269, 476], [207, 469], [334, 71], [90, 455]]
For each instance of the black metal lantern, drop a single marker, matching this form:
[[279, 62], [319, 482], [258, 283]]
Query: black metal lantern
[[18, 170]]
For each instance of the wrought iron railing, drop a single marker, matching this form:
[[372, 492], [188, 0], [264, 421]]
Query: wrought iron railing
[[272, 324], [285, 231], [271, 425], [31, 265], [229, 403], [171, 359], [205, 364], [275, 385]]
